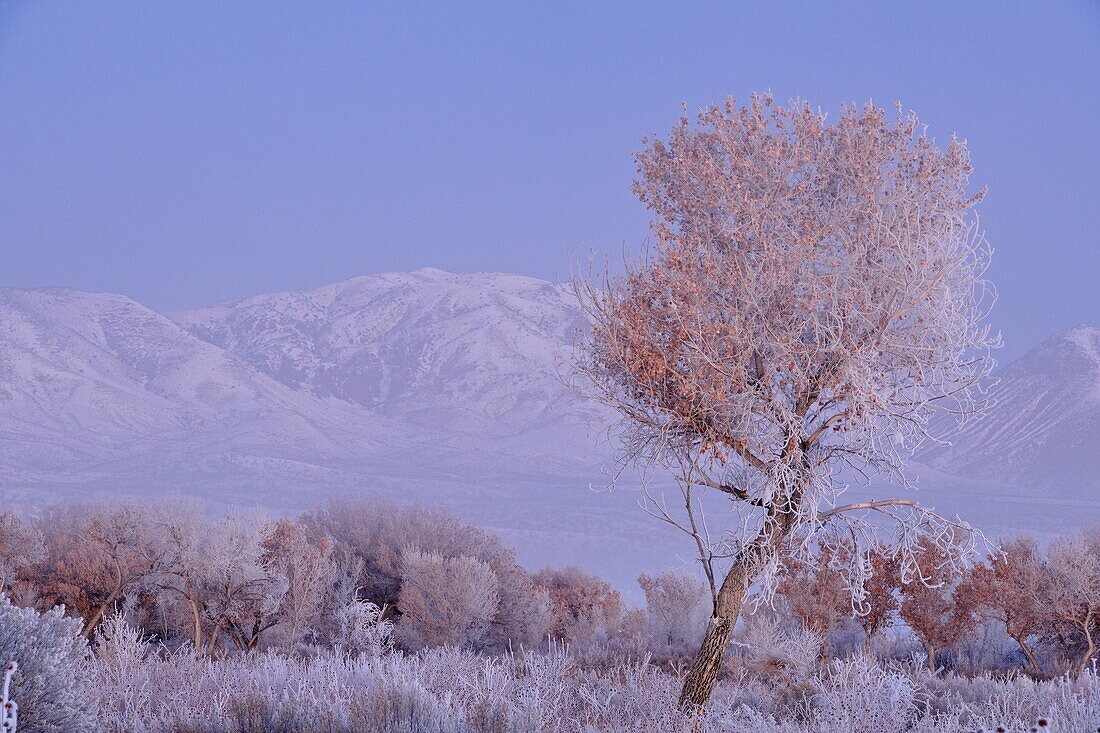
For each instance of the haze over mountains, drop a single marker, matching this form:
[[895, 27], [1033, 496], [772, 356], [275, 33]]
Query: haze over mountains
[[434, 388]]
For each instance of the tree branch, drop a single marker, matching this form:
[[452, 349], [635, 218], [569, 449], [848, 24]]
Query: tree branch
[[874, 504]]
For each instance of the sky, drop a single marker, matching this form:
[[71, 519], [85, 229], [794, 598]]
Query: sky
[[191, 153]]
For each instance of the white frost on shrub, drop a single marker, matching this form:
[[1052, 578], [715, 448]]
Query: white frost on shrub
[[50, 684]]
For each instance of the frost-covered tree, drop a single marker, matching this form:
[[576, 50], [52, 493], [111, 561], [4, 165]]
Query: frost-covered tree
[[377, 532], [1072, 592], [445, 601], [122, 541], [307, 567], [676, 606], [215, 573], [875, 612], [20, 546], [814, 299], [580, 603], [1008, 587], [930, 605], [817, 594], [244, 596]]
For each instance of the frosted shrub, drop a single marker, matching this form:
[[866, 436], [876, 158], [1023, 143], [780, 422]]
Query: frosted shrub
[[49, 683], [448, 690], [446, 600], [776, 653], [360, 629], [404, 706], [861, 697], [677, 610]]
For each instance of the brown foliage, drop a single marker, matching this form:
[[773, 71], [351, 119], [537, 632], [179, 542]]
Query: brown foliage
[[938, 615], [579, 602], [817, 594], [876, 611], [1008, 587]]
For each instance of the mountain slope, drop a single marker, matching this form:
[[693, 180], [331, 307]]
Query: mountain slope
[[98, 385], [478, 351], [1041, 430]]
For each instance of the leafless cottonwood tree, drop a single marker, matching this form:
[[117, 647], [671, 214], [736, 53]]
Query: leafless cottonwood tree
[[814, 296], [1072, 592]]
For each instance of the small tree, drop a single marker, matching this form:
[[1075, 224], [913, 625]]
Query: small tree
[[938, 615], [445, 600], [20, 546], [580, 603], [875, 613], [677, 606], [1008, 588], [816, 291], [817, 593], [1072, 592], [123, 540], [306, 567]]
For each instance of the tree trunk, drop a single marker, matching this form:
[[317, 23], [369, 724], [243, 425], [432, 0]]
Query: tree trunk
[[823, 653], [91, 624], [930, 650], [701, 678], [1031, 660], [196, 618], [1090, 649], [213, 639]]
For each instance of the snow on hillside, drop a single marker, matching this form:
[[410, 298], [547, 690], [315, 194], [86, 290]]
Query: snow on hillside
[[483, 352], [1040, 430]]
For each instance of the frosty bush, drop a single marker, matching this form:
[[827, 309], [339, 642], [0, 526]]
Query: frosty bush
[[446, 690], [677, 607], [362, 630], [49, 685], [445, 600]]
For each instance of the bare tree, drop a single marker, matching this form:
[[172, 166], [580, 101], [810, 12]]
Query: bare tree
[[1072, 591], [308, 569], [580, 603], [815, 297], [20, 546], [244, 596], [214, 571], [123, 538], [677, 606]]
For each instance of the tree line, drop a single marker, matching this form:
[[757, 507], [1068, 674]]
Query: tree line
[[341, 578], [359, 575]]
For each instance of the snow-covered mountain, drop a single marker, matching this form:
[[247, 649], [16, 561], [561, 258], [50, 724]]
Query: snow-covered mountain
[[484, 353], [1041, 430], [434, 388], [99, 393]]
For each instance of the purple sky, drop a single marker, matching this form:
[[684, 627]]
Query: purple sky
[[185, 153]]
